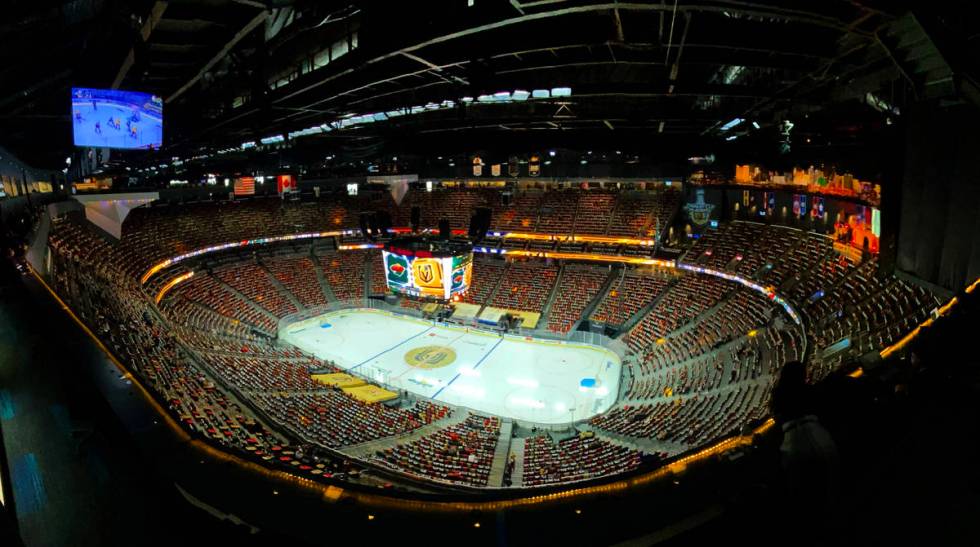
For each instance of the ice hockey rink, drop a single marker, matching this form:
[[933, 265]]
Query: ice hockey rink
[[146, 133], [532, 380]]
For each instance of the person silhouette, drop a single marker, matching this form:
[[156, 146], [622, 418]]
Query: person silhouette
[[809, 461]]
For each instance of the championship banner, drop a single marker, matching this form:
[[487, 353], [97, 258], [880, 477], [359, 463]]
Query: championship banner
[[495, 170], [770, 200], [477, 166], [699, 211], [534, 165], [745, 198], [817, 209]]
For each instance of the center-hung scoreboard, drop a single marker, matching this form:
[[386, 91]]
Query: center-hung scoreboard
[[428, 268]]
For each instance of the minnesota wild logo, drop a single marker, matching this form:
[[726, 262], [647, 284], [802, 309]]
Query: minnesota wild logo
[[429, 357], [397, 269]]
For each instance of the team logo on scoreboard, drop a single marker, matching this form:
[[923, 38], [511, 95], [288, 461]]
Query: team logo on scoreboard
[[429, 357], [699, 210], [397, 269], [427, 273]]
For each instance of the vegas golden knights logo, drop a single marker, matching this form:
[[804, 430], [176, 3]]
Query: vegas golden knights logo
[[425, 273], [428, 273], [429, 357]]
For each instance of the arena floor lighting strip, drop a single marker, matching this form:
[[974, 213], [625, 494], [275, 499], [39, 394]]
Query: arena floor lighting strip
[[244, 243], [171, 284], [611, 240]]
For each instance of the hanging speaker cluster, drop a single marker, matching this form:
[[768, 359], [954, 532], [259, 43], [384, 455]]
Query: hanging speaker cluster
[[479, 224], [365, 224], [375, 224], [416, 218]]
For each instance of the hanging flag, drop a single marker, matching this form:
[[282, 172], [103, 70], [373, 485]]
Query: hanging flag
[[285, 183], [245, 186]]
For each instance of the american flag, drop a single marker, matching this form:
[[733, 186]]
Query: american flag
[[245, 186]]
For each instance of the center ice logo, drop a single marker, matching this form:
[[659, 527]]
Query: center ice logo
[[429, 357]]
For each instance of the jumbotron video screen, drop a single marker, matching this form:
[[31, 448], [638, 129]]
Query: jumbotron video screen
[[114, 118], [408, 273]]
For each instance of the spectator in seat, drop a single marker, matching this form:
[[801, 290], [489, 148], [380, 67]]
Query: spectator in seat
[[808, 457]]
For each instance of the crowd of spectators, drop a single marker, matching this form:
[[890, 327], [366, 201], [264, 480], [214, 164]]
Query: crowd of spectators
[[576, 289], [574, 459], [461, 453], [703, 352]]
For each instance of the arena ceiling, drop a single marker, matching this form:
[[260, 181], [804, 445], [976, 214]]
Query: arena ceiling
[[657, 73]]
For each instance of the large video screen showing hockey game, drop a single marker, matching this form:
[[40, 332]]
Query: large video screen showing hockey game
[[428, 277], [113, 118]]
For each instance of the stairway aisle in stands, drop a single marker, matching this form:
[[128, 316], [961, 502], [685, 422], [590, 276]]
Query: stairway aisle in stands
[[246, 300], [591, 306], [546, 310], [366, 274], [281, 289], [367, 449], [517, 450], [321, 278], [501, 453]]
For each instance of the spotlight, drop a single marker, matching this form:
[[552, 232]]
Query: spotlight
[[731, 124]]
